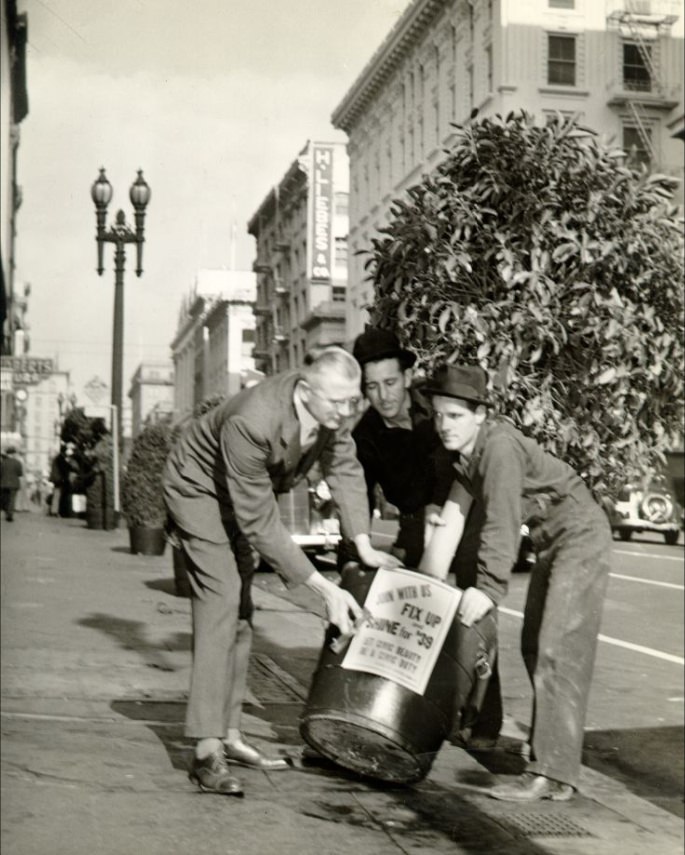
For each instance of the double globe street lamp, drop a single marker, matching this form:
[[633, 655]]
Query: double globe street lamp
[[119, 234]]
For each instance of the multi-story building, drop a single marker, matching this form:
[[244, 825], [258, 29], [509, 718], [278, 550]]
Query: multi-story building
[[212, 347], [151, 393], [14, 107], [618, 64], [35, 397], [301, 265]]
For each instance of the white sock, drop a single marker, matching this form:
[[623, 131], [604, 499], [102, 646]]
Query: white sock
[[207, 746], [233, 735]]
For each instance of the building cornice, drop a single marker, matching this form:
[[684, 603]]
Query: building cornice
[[407, 32]]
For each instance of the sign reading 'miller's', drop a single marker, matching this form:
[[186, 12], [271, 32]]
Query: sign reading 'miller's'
[[321, 219]]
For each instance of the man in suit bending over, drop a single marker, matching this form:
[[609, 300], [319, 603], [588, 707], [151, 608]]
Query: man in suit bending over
[[220, 484]]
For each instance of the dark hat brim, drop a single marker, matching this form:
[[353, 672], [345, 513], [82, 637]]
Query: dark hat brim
[[464, 393]]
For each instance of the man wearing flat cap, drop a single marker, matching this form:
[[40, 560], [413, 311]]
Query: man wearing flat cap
[[510, 480], [395, 438]]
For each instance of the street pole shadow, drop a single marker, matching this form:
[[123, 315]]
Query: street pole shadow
[[166, 720], [163, 717]]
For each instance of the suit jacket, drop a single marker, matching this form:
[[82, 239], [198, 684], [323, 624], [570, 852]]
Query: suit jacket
[[229, 464]]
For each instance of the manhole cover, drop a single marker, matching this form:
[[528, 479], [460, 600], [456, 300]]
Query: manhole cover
[[541, 825]]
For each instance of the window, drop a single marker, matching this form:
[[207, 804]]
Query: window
[[636, 146], [248, 335], [488, 59], [561, 61], [562, 4], [636, 60], [469, 74], [341, 204], [340, 251], [338, 293]]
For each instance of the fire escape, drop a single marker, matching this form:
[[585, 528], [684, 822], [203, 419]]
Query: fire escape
[[642, 23]]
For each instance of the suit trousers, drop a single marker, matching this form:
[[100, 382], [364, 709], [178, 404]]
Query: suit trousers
[[560, 627], [220, 576]]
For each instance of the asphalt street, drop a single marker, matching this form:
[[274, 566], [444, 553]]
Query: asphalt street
[[95, 669]]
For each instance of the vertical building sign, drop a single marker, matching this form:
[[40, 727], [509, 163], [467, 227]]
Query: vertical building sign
[[321, 223]]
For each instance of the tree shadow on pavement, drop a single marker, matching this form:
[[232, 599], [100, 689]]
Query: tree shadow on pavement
[[132, 635]]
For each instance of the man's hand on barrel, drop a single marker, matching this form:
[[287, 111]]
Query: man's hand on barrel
[[342, 609], [474, 605], [374, 557]]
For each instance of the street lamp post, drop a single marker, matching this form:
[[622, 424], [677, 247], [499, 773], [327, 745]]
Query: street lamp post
[[119, 234]]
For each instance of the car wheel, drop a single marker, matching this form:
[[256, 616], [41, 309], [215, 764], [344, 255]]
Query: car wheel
[[656, 508], [671, 537], [625, 533]]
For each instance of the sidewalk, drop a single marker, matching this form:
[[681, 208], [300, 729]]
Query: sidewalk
[[95, 670]]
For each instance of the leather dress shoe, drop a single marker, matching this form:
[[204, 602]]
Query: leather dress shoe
[[529, 787], [247, 755], [212, 775]]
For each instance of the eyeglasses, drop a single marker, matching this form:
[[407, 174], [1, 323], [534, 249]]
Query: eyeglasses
[[340, 405]]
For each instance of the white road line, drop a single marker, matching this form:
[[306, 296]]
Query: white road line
[[647, 581], [638, 648], [650, 555]]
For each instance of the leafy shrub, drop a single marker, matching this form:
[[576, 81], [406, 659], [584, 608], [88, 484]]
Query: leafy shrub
[[141, 492], [537, 254]]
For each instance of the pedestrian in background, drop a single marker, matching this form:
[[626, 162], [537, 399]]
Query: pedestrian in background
[[511, 480], [220, 483], [11, 472]]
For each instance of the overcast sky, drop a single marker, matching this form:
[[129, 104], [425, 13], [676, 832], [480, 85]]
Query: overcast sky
[[213, 99]]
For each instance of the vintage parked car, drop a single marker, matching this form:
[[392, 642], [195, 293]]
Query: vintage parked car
[[649, 508]]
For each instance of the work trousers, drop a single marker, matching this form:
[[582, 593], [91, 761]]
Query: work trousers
[[220, 576], [560, 627]]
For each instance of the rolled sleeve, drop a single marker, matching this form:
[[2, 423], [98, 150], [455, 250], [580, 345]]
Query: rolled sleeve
[[245, 453], [500, 471]]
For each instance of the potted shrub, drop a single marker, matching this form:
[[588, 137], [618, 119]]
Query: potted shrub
[[141, 490]]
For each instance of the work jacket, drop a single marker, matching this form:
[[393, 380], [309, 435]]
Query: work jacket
[[514, 481]]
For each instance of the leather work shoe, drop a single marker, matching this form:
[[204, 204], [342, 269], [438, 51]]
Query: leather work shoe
[[529, 787], [212, 775], [246, 755]]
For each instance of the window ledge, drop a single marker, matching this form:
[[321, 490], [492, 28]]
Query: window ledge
[[564, 90]]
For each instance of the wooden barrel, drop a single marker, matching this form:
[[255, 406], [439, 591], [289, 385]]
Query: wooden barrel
[[377, 727]]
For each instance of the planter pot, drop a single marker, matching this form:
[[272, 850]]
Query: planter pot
[[147, 541], [181, 580]]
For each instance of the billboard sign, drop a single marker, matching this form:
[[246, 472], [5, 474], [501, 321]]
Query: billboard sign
[[27, 370]]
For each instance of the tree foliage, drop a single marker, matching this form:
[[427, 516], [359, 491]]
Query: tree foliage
[[535, 252], [141, 491]]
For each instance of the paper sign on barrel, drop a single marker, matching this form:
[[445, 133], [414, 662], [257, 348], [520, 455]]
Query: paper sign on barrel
[[411, 615]]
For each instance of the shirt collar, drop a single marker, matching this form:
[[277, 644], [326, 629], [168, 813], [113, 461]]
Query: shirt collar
[[308, 424]]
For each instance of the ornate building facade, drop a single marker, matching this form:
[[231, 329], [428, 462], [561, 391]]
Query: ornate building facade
[[618, 64]]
